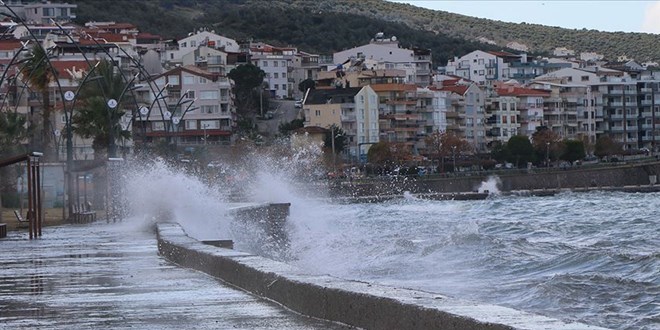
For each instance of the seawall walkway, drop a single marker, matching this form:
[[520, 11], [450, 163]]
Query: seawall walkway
[[109, 276]]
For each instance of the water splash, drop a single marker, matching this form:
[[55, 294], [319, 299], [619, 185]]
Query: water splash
[[491, 185], [158, 191]]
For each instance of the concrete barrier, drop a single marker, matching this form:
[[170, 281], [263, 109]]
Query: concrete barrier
[[359, 304]]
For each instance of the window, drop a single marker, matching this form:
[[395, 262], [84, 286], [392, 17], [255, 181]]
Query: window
[[202, 80], [584, 78], [158, 126], [193, 43], [317, 113], [49, 12], [184, 44], [481, 61], [208, 95], [64, 12], [188, 80], [284, 75], [283, 64], [275, 63], [481, 72], [191, 124], [173, 80], [276, 75], [276, 86], [210, 108], [209, 124], [264, 64]]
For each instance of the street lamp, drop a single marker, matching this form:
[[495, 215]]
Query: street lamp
[[112, 105], [547, 154], [453, 152]]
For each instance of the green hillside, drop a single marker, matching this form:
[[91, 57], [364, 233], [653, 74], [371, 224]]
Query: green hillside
[[332, 25]]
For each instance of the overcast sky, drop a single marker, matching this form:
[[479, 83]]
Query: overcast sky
[[620, 15]]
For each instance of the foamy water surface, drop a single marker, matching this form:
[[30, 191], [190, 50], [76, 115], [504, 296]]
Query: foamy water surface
[[588, 257]]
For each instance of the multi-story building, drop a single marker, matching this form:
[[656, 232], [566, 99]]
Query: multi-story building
[[194, 40], [514, 111], [353, 109], [466, 113], [482, 67], [386, 54], [188, 106], [277, 63], [45, 11]]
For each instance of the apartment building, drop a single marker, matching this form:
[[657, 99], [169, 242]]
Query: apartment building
[[354, 109], [514, 111], [188, 106], [386, 54], [198, 38], [466, 115], [45, 11], [277, 63], [482, 67]]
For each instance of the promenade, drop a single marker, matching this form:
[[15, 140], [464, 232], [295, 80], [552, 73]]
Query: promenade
[[110, 276]]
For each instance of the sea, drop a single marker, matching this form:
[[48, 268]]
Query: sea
[[591, 257]]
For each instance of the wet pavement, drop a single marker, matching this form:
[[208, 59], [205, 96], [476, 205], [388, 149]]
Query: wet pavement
[[110, 276]]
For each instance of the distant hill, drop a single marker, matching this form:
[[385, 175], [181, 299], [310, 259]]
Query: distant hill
[[331, 25]]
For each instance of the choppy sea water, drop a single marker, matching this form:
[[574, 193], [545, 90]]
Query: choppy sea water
[[587, 257]]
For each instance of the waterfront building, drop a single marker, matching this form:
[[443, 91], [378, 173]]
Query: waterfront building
[[514, 111]]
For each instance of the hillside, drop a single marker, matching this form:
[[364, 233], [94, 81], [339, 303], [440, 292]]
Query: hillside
[[332, 25]]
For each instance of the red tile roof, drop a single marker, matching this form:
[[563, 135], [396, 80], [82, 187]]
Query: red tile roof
[[10, 44], [458, 89], [64, 67]]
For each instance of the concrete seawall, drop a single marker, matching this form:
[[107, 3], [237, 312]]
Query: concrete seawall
[[359, 304], [511, 180]]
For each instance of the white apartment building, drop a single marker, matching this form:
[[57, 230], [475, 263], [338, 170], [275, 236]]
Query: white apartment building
[[278, 64], [387, 53], [482, 67], [188, 105], [200, 38], [367, 129]]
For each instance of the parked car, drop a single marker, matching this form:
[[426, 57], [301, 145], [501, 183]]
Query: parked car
[[299, 103]]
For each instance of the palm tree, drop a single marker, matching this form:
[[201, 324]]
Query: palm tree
[[12, 132], [38, 73], [94, 119]]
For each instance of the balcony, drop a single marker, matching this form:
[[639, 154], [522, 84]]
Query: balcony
[[647, 102]]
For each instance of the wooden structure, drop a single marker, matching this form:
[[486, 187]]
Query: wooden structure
[[35, 214]]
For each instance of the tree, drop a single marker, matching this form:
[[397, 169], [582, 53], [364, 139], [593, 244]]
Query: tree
[[573, 150], [606, 147], [93, 118], [379, 153], [444, 144], [306, 84], [38, 73], [520, 149], [286, 128], [246, 77], [546, 143], [12, 132], [339, 137]]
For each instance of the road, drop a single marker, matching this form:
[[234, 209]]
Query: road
[[284, 112]]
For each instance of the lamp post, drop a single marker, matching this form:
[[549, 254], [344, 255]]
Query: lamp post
[[68, 118], [453, 152], [547, 154]]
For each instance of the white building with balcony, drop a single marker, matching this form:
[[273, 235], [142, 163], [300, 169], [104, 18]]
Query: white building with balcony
[[190, 106]]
